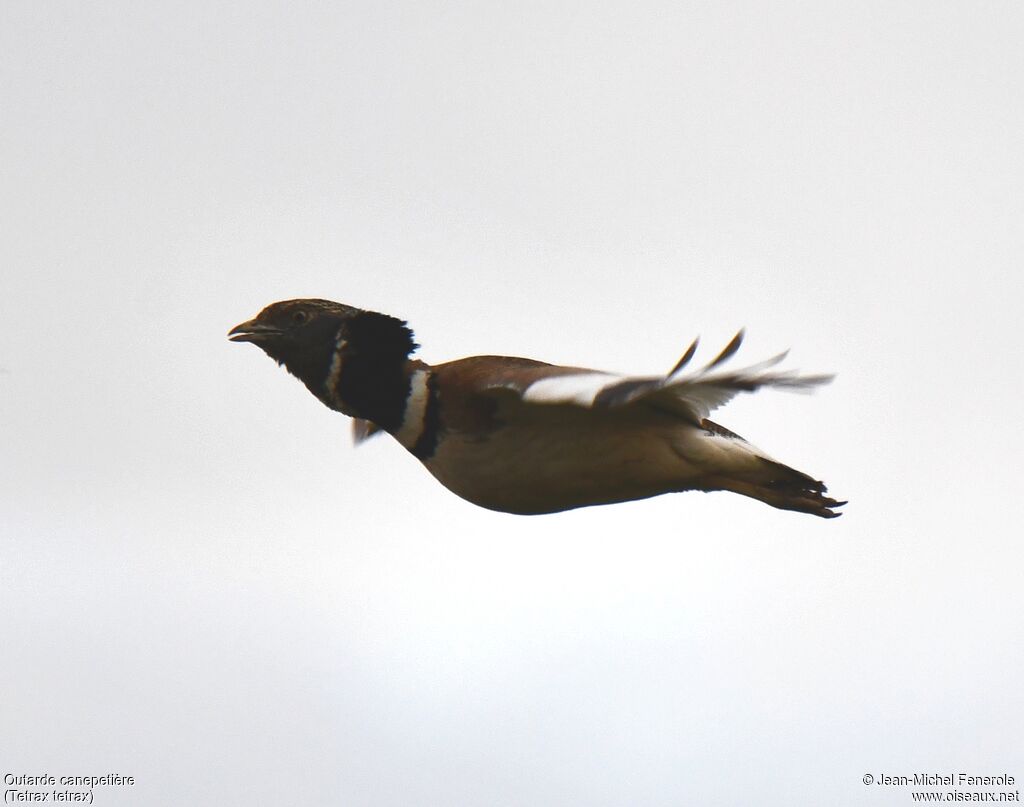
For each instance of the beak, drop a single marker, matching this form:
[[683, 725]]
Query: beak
[[253, 331]]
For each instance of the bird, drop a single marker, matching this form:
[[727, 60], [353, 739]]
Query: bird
[[526, 437]]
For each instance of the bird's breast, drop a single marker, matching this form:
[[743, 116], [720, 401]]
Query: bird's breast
[[532, 470]]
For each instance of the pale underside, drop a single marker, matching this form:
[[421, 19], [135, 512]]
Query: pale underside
[[555, 459]]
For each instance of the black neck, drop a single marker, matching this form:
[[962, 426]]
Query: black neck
[[374, 391]]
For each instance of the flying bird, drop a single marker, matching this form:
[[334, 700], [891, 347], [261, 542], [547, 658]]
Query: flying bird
[[526, 437]]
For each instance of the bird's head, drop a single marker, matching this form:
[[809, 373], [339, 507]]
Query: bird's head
[[314, 339]]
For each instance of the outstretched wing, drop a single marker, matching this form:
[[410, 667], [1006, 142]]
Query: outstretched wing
[[691, 395]]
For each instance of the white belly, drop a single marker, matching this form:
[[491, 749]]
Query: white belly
[[540, 469]]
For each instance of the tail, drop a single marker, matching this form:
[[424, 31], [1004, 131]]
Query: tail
[[752, 473], [787, 489]]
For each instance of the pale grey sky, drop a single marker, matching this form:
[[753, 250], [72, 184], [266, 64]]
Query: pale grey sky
[[205, 587]]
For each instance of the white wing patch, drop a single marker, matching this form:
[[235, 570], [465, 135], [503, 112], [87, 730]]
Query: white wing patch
[[580, 389], [692, 395]]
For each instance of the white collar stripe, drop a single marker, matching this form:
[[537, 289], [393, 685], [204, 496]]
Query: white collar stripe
[[415, 410]]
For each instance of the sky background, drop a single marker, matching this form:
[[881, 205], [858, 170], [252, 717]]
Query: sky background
[[203, 585]]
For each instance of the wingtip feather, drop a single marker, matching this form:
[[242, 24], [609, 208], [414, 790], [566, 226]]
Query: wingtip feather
[[728, 350], [685, 358], [363, 430]]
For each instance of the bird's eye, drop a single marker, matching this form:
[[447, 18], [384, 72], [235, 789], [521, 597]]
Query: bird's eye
[[300, 317]]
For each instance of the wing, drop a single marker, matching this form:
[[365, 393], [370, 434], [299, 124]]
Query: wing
[[363, 430], [691, 395]]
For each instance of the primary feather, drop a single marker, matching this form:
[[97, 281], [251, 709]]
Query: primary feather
[[691, 395]]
